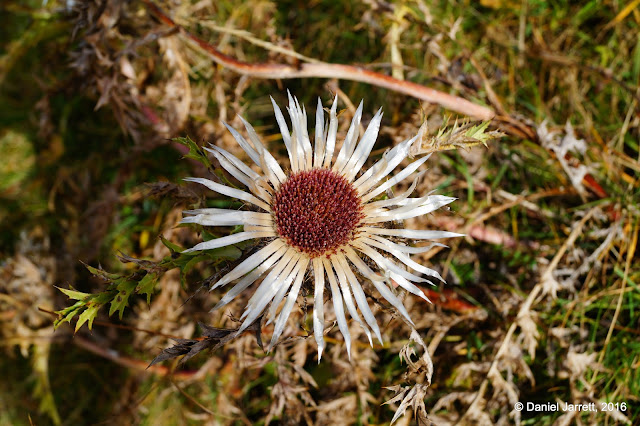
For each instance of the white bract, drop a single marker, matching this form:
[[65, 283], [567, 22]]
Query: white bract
[[323, 217]]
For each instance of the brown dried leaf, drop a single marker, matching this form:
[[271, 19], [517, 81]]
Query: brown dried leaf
[[214, 338]]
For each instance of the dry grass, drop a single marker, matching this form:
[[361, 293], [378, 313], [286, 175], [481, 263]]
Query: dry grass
[[542, 301]]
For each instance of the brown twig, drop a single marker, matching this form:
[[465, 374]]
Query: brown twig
[[505, 122], [134, 364], [327, 70], [113, 355], [460, 105]]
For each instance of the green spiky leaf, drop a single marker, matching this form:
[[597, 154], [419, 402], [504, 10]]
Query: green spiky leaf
[[174, 248], [73, 294], [195, 152], [88, 315], [147, 285], [99, 272], [458, 136], [478, 133], [124, 289]]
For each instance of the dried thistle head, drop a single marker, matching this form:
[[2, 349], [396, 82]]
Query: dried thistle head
[[324, 218]]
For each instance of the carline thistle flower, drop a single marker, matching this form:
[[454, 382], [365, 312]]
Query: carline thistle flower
[[323, 217]]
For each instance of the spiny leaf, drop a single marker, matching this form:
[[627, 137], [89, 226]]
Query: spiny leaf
[[458, 136], [144, 264], [72, 313], [93, 304], [73, 294], [147, 285], [99, 272], [88, 315], [67, 314], [174, 248], [124, 289], [228, 253], [186, 347], [188, 266], [478, 132], [192, 262], [195, 152], [213, 338]]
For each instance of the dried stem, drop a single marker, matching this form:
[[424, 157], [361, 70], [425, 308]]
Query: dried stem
[[524, 308], [131, 363], [327, 70]]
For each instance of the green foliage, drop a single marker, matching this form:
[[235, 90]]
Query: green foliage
[[141, 282], [87, 306], [195, 151], [465, 135], [146, 286]]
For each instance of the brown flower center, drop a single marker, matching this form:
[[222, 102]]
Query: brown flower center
[[317, 211]]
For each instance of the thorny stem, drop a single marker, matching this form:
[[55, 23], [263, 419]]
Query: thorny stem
[[526, 306]]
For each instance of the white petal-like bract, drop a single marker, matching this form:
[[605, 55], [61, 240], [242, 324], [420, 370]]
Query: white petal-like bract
[[319, 220]]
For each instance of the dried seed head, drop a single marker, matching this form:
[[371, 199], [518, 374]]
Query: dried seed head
[[317, 211]]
